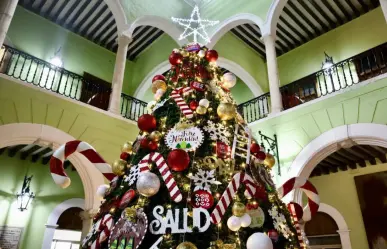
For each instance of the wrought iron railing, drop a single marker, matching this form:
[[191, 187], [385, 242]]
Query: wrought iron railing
[[344, 74], [132, 108], [40, 73]]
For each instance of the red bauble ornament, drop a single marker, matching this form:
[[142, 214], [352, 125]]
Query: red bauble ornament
[[211, 55], [297, 208], [147, 123], [158, 77], [175, 59], [152, 145], [254, 148], [124, 156], [252, 204], [223, 150], [127, 198], [260, 155], [193, 105], [178, 160], [202, 199], [144, 143], [273, 234]]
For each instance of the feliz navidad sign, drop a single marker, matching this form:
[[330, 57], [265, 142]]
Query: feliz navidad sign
[[171, 220], [187, 139]]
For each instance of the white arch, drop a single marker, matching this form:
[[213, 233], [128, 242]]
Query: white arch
[[222, 62], [231, 23], [52, 220], [341, 224], [116, 8], [275, 10], [26, 133], [159, 22]]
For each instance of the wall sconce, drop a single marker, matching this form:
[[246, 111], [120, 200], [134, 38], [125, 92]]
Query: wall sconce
[[328, 63], [56, 60], [25, 196]]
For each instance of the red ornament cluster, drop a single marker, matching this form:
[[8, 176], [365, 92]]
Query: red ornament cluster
[[211, 55], [147, 123], [257, 151], [178, 160], [175, 58]]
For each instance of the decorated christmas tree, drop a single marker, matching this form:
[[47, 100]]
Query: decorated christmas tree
[[194, 178]]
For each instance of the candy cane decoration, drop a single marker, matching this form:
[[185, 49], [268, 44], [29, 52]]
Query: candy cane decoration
[[176, 95], [56, 162], [229, 193], [105, 226], [313, 199], [292, 210], [156, 157]]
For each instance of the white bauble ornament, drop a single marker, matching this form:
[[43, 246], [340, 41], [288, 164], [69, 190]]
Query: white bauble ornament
[[151, 105], [234, 223], [148, 184], [259, 240], [204, 102], [176, 50], [229, 80], [101, 190], [245, 220], [201, 53], [159, 93]]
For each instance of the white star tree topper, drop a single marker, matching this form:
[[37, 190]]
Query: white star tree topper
[[189, 24]]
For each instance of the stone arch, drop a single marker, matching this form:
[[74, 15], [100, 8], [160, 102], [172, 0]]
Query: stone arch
[[222, 62], [26, 133], [275, 10], [159, 22], [230, 23], [52, 220], [118, 13], [341, 224]]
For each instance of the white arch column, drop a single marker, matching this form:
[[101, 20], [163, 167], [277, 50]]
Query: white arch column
[[7, 9], [383, 5], [119, 72], [272, 73]]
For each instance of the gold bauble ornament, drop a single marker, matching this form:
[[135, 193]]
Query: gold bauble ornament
[[155, 136], [130, 213], [269, 160], [238, 209], [226, 111], [119, 167], [201, 110], [127, 147], [186, 245], [184, 53], [158, 84]]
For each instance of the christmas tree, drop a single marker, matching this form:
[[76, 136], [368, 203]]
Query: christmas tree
[[195, 177]]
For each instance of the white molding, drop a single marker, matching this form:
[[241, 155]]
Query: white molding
[[221, 62], [116, 8], [275, 10], [230, 23], [341, 224], [25, 84], [26, 133], [54, 216]]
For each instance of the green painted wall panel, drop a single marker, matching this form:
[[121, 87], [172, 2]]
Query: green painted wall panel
[[350, 117], [380, 112], [48, 196], [336, 115], [341, 43], [322, 119]]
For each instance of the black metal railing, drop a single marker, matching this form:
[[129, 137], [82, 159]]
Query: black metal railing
[[132, 108], [344, 74], [40, 73]]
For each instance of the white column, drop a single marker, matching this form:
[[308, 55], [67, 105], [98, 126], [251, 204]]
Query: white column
[[48, 235], [345, 239], [272, 72], [383, 5], [87, 221], [7, 9], [118, 76]]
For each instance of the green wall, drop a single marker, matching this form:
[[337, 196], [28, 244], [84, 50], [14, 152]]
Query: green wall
[[339, 191], [48, 196], [42, 38], [350, 39]]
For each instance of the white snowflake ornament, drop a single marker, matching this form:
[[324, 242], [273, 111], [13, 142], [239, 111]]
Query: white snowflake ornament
[[279, 222], [133, 175], [203, 180], [218, 132]]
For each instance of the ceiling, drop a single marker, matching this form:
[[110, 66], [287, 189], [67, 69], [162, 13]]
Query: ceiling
[[304, 20], [351, 158], [92, 20], [33, 153]]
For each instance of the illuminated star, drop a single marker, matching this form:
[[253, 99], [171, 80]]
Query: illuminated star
[[191, 30]]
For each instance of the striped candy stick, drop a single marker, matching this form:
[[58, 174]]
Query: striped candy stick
[[105, 226], [229, 193], [176, 95], [156, 157], [56, 162], [292, 210]]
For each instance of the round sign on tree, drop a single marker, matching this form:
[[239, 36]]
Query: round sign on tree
[[188, 139]]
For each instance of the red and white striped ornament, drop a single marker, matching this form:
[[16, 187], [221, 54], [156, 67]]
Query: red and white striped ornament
[[176, 95], [104, 227], [229, 193], [296, 222], [170, 182], [56, 162]]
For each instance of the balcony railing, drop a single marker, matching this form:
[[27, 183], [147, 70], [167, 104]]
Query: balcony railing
[[40, 73], [344, 74]]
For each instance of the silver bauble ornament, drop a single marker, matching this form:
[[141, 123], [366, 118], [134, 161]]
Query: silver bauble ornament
[[148, 184]]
